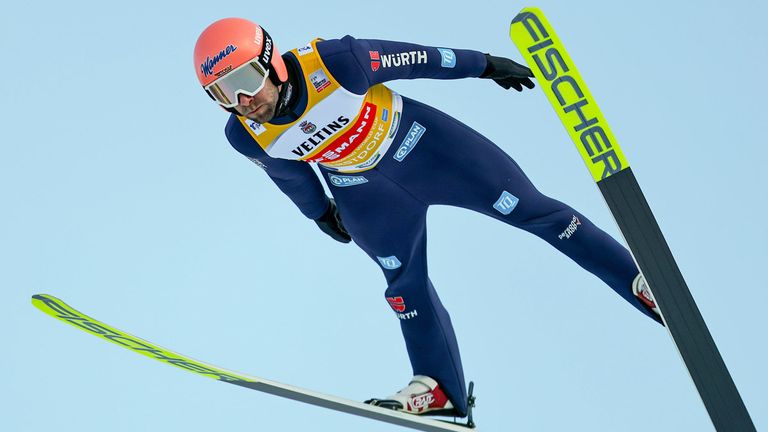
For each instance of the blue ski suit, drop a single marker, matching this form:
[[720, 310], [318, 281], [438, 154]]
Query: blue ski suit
[[432, 159]]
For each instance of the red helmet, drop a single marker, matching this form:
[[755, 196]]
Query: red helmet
[[234, 56]]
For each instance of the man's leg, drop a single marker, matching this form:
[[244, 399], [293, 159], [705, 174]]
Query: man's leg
[[389, 224], [454, 165]]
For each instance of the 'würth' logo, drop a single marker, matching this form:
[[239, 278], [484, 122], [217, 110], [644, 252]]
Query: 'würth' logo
[[397, 303], [375, 60]]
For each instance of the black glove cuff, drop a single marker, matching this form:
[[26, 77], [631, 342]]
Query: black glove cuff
[[330, 223], [327, 216], [489, 69]]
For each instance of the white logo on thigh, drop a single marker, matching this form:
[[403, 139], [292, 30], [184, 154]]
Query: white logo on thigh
[[570, 229]]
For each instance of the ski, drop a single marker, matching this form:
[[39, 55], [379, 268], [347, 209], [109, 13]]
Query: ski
[[576, 108], [63, 312]]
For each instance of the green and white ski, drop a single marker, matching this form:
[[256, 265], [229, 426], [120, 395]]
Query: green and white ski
[[63, 312], [579, 113]]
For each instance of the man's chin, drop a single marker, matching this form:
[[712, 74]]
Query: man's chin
[[261, 118]]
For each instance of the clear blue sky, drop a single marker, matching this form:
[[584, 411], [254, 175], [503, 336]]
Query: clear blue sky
[[121, 196]]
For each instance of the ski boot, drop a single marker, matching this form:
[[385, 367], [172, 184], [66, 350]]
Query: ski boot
[[422, 396], [641, 290]]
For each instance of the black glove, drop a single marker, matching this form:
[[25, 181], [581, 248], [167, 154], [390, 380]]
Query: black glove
[[507, 73], [330, 223]]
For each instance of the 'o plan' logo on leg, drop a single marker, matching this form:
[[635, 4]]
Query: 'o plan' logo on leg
[[344, 181], [409, 142]]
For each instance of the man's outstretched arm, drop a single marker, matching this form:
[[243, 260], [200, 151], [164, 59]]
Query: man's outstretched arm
[[359, 64]]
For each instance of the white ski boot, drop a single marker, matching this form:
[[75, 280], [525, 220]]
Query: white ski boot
[[643, 292], [422, 396]]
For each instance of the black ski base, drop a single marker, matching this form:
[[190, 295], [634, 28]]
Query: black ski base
[[681, 315]]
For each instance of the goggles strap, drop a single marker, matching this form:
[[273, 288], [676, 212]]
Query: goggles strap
[[265, 58]]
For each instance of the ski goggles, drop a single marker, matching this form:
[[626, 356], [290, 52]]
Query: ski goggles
[[247, 79]]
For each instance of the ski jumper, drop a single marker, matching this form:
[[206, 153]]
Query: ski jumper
[[387, 158]]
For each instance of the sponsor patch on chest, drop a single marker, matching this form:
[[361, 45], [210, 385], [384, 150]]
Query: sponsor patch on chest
[[319, 80]]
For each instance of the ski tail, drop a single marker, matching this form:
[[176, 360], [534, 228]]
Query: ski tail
[[587, 127]]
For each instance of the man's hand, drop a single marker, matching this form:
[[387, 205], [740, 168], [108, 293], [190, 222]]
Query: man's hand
[[507, 73], [330, 223]]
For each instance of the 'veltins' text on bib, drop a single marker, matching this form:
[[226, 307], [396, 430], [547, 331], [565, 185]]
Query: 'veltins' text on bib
[[339, 129]]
